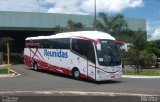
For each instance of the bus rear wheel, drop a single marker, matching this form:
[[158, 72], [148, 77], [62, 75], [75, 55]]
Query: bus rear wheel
[[35, 66], [76, 73]]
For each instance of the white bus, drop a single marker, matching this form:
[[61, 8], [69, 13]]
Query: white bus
[[92, 55]]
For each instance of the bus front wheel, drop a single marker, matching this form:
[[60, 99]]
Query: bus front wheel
[[76, 73]]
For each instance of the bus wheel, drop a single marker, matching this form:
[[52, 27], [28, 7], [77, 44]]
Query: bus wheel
[[76, 73], [35, 66]]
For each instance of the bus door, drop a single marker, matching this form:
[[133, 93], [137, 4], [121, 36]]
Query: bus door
[[91, 61], [86, 57]]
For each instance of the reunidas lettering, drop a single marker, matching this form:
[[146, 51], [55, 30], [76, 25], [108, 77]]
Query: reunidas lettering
[[58, 53]]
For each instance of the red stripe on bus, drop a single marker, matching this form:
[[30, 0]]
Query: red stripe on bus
[[92, 40], [34, 53], [104, 70]]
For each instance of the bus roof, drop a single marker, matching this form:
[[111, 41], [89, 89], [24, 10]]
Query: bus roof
[[78, 34]]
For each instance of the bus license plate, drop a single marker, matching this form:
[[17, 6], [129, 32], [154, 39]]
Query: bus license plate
[[112, 76]]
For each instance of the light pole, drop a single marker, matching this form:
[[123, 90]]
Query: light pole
[[38, 5], [95, 19], [8, 60]]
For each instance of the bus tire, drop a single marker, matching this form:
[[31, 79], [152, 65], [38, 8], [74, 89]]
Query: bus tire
[[35, 66], [76, 73]]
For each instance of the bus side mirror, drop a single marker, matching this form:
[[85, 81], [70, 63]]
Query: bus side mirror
[[99, 47], [126, 48], [122, 45]]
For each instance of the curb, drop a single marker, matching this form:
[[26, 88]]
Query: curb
[[10, 75], [140, 77], [73, 93], [5, 65]]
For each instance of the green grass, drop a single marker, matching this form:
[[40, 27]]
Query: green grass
[[4, 71], [145, 72]]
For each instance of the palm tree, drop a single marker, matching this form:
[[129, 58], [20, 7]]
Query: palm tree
[[112, 24], [6, 40], [58, 29], [71, 24], [139, 43], [75, 25]]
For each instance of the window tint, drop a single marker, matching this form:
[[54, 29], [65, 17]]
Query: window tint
[[78, 45], [63, 43], [91, 53], [33, 43], [84, 48]]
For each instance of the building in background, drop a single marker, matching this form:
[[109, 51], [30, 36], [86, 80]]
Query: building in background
[[20, 25]]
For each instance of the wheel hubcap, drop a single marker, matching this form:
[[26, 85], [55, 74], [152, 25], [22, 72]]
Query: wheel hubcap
[[35, 67], [76, 73]]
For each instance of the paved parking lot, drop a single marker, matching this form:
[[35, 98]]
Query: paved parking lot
[[43, 86], [45, 81]]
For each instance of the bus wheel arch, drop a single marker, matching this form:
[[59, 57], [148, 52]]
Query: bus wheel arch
[[75, 73]]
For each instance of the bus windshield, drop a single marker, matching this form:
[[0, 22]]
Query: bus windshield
[[109, 55]]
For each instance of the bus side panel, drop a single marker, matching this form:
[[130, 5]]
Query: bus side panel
[[75, 61], [27, 59], [56, 64], [46, 62], [57, 59], [91, 71]]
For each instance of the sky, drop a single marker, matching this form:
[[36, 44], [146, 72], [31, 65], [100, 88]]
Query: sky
[[145, 9]]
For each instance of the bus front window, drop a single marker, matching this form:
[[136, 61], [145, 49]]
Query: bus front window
[[109, 55]]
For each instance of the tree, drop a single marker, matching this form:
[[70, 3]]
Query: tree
[[146, 59], [75, 25], [139, 42], [6, 40], [58, 29], [71, 26], [154, 47], [112, 24]]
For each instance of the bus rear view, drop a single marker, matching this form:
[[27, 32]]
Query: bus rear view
[[91, 55]]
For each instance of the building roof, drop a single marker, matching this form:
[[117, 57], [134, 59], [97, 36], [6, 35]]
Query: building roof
[[34, 21]]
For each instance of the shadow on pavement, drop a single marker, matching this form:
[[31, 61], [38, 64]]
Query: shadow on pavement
[[81, 79]]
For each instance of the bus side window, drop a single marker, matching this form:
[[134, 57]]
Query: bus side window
[[84, 48], [90, 52], [75, 46], [59, 43]]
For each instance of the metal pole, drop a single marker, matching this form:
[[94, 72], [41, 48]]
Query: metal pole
[[8, 57], [95, 19], [38, 6]]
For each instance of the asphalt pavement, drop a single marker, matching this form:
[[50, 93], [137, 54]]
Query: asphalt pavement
[[32, 82]]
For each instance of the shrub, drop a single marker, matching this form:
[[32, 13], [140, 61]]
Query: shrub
[[147, 59]]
